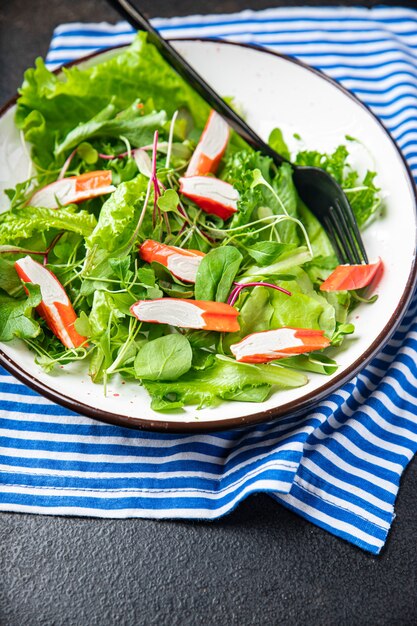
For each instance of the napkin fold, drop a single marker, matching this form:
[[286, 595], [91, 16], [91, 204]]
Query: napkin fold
[[339, 465]]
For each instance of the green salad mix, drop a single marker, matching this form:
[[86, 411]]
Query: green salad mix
[[135, 118]]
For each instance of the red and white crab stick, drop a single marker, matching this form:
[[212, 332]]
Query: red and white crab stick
[[73, 189], [55, 307], [348, 277], [200, 314], [211, 147], [270, 345], [181, 263], [211, 194]]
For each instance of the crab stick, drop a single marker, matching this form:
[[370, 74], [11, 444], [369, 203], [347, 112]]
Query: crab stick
[[270, 345], [73, 189], [199, 314], [211, 147], [55, 307], [348, 277], [181, 263], [211, 194]]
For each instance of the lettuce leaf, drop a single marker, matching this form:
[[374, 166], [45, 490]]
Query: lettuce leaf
[[112, 236], [23, 222], [49, 107], [237, 171], [305, 308], [225, 379], [362, 194], [255, 315], [118, 216]]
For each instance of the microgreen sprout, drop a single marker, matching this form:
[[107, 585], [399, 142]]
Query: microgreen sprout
[[155, 182], [128, 146], [242, 231], [170, 139], [259, 180], [66, 165], [110, 157]]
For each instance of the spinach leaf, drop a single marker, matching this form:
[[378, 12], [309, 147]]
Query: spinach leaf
[[216, 274], [277, 142], [165, 358], [9, 279], [139, 130], [292, 258], [267, 252], [15, 320]]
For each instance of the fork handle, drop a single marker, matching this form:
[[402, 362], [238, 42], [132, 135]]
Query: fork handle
[[184, 69]]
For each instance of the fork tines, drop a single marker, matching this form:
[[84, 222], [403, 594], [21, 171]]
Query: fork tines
[[343, 232]]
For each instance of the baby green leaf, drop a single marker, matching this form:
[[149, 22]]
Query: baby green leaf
[[87, 153], [168, 201], [216, 274], [267, 252], [165, 358]]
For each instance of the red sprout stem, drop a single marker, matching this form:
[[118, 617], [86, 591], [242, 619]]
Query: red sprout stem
[[21, 251], [155, 182], [109, 157], [210, 239], [234, 294], [154, 152], [43, 253], [51, 246]]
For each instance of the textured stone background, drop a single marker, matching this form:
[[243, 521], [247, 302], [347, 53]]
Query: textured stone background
[[260, 565]]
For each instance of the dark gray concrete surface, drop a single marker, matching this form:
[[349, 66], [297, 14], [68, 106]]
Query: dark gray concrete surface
[[260, 565]]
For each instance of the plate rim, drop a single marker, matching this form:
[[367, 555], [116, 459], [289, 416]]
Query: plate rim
[[293, 408]]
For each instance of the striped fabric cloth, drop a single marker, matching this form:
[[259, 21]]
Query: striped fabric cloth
[[340, 465]]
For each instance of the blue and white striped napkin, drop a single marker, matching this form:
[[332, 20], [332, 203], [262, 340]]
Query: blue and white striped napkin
[[340, 465]]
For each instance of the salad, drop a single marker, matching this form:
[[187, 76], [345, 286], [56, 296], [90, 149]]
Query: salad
[[152, 243]]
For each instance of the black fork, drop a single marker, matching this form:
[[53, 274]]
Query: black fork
[[327, 200], [318, 190]]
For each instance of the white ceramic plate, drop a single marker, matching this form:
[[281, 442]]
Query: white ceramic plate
[[274, 91]]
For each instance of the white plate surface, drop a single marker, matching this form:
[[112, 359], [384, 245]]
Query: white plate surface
[[273, 91]]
